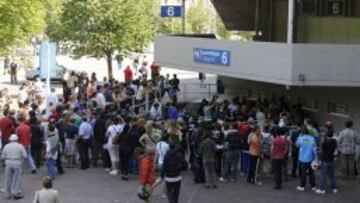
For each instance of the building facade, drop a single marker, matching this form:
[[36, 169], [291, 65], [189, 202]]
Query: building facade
[[305, 50]]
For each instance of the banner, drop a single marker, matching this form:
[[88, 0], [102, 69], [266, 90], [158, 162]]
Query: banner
[[47, 60]]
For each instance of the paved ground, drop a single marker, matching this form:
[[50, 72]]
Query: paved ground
[[95, 186]]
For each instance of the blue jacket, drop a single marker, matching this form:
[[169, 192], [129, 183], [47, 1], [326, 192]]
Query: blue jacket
[[307, 148], [173, 113]]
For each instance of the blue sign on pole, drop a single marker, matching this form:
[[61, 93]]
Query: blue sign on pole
[[212, 56], [47, 60], [171, 11]]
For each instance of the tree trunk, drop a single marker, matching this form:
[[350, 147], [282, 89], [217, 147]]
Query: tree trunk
[[109, 64]]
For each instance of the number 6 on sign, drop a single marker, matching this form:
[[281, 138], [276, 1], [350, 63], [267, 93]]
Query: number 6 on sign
[[224, 58], [170, 11]]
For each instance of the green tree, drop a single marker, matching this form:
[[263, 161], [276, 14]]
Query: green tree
[[221, 30], [198, 18], [19, 20], [52, 19], [169, 26], [100, 27]]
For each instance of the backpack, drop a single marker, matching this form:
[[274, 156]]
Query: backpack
[[265, 144], [129, 91]]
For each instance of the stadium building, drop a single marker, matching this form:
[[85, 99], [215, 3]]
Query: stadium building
[[305, 50]]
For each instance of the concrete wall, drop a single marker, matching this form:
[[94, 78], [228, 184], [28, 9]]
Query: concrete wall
[[269, 62], [326, 65], [278, 63]]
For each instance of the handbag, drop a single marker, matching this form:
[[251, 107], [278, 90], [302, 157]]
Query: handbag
[[37, 197]]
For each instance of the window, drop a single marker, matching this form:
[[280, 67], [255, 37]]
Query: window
[[335, 8], [337, 108], [310, 105], [308, 7]]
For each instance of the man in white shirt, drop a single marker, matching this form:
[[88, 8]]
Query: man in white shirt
[[261, 118], [23, 95], [85, 135], [53, 98], [155, 111], [13, 154], [100, 97]]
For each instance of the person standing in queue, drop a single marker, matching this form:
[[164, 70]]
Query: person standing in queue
[[85, 134], [278, 151], [13, 154], [174, 163]]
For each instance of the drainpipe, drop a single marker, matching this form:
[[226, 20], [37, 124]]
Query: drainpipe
[[290, 27]]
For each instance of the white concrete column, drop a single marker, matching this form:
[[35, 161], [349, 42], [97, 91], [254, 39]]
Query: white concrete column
[[290, 27]]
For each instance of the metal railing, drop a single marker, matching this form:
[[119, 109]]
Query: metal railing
[[191, 92]]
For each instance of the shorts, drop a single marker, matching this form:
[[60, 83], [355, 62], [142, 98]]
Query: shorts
[[114, 153], [70, 147]]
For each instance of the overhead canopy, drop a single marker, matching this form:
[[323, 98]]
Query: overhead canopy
[[236, 14]]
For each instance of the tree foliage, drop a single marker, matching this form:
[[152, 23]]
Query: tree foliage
[[221, 30], [100, 27], [19, 20], [199, 18]]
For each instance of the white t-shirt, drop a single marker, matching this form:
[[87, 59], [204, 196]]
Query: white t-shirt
[[53, 98], [39, 87], [260, 118], [155, 113], [161, 149], [22, 96], [113, 131], [140, 93], [100, 99], [49, 153]]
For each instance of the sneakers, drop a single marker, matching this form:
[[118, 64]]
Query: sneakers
[[221, 179], [300, 188], [320, 192], [125, 178], [335, 191], [107, 169], [313, 189], [18, 196], [113, 172]]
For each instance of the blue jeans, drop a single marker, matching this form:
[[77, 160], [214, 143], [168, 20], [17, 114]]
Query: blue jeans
[[29, 158], [51, 167], [231, 161], [327, 169]]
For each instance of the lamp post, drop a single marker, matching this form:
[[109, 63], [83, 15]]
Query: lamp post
[[183, 17]]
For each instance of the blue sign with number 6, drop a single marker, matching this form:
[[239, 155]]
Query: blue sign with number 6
[[212, 56]]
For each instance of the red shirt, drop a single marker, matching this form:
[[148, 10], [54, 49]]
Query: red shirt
[[24, 134], [6, 127], [279, 148], [128, 74], [155, 69]]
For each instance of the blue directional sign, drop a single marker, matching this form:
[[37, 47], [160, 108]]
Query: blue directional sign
[[212, 56], [171, 11]]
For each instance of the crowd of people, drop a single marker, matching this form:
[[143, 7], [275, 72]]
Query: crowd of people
[[104, 122]]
